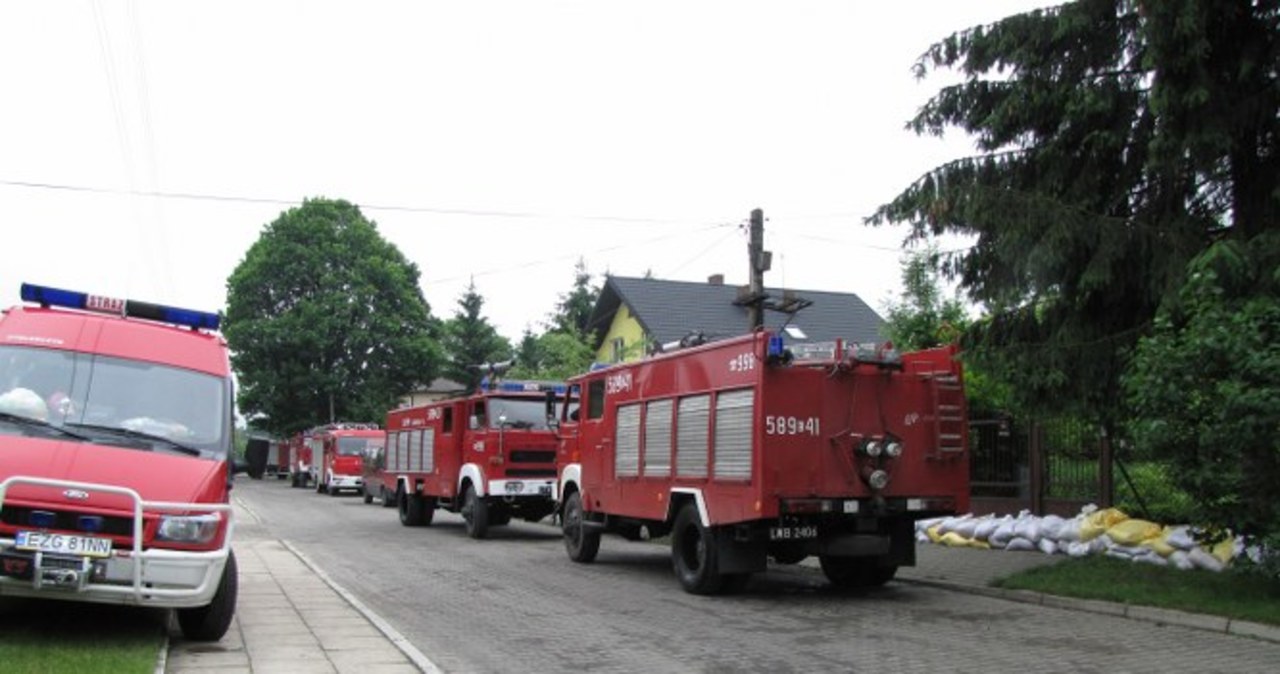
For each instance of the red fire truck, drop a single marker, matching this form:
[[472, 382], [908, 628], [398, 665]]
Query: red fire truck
[[339, 450], [747, 449], [490, 456], [116, 457]]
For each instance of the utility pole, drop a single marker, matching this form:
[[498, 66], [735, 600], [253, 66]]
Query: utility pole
[[760, 260]]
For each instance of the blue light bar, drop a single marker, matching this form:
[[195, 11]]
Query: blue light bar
[[517, 386], [55, 297]]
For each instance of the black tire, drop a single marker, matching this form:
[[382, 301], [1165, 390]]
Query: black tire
[[210, 622], [693, 554], [415, 511], [856, 572], [581, 543], [499, 518], [332, 490], [321, 484], [388, 498], [366, 495], [475, 514]]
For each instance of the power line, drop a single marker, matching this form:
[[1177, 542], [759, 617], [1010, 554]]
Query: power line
[[197, 196]]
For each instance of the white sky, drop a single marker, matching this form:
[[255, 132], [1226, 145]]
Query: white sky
[[500, 141]]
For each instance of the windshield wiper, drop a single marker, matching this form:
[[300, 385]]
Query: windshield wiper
[[141, 436], [31, 422]]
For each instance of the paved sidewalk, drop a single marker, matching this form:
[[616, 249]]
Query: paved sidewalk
[[289, 618]]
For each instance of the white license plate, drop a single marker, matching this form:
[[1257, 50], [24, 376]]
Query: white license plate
[[793, 533], [63, 544]]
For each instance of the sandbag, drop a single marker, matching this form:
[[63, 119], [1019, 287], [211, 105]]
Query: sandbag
[[1182, 560], [1019, 543], [1028, 528], [934, 533], [1202, 559], [954, 540], [1159, 544], [1069, 532], [1133, 531], [1050, 525], [1003, 534], [1181, 538], [1047, 545], [1097, 523], [985, 528]]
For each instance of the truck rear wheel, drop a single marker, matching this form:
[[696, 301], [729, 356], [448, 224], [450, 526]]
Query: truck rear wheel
[[693, 553], [475, 513], [415, 511], [210, 623], [581, 543], [856, 572], [366, 495], [388, 499]]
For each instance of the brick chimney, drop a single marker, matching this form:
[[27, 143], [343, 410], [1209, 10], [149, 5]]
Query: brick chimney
[[715, 279]]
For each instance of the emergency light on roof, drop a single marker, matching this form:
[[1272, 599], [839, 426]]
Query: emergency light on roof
[[515, 386], [71, 299]]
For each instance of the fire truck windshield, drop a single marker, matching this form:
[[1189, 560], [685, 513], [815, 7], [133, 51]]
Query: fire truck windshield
[[350, 446], [522, 413], [67, 388]]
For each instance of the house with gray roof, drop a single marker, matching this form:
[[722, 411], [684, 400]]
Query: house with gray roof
[[633, 315]]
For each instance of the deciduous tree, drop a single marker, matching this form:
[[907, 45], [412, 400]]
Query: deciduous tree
[[325, 321]]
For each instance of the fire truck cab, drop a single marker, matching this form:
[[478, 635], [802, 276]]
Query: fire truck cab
[[300, 465], [489, 456], [116, 457], [339, 450], [748, 449]]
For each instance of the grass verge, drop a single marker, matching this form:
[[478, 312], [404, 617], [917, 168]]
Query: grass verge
[[55, 637], [1230, 594]]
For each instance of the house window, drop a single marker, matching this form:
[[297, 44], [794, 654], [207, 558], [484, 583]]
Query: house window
[[618, 349]]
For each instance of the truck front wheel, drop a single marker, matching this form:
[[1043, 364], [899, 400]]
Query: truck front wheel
[[581, 543], [693, 553], [210, 623], [475, 513], [856, 572]]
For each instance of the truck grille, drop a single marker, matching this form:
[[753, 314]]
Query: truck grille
[[533, 456], [531, 472], [19, 516]]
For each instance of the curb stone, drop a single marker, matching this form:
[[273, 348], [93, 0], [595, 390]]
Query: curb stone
[[1208, 623]]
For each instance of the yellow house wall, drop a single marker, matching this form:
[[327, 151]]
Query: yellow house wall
[[624, 325]]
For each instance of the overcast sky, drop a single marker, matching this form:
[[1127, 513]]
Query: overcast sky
[[144, 145]]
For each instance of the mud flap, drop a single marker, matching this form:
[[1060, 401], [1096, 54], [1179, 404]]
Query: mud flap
[[737, 556]]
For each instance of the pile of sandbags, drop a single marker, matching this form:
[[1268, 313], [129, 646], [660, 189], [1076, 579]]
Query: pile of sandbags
[[1093, 531]]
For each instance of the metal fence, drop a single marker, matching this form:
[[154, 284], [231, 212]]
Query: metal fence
[[1057, 466]]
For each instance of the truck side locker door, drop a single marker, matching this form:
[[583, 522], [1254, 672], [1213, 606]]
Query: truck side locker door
[[595, 437]]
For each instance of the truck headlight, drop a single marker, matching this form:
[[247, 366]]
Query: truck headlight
[[878, 479], [188, 528], [893, 449]]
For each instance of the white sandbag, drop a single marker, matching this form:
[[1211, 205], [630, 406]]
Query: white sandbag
[[1069, 532], [1028, 528], [1204, 560], [965, 527], [1181, 538], [923, 525], [1019, 543], [949, 525], [1079, 548], [1181, 560], [1003, 533], [985, 528], [1151, 557], [1050, 525], [1048, 546]]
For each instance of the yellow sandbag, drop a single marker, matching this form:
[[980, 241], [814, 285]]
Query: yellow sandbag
[[1098, 522], [1224, 550], [1160, 544], [954, 540], [932, 533], [980, 544], [1133, 532]]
